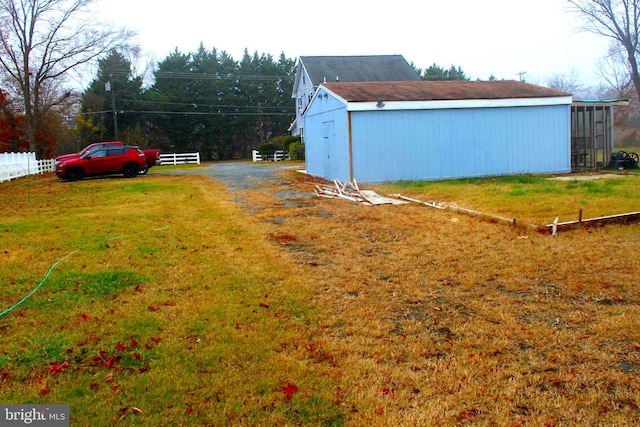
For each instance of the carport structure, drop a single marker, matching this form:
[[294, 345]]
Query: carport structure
[[592, 132]]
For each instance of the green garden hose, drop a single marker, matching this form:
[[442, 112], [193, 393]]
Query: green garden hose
[[8, 310]]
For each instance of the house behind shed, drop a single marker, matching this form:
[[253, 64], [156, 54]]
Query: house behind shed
[[312, 71], [428, 130]]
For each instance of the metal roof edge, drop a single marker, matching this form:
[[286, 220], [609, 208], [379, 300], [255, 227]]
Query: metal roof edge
[[383, 105]]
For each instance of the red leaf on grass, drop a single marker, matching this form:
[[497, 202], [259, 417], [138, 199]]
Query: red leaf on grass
[[289, 390], [155, 339], [153, 308], [120, 347], [44, 391], [264, 305], [55, 368]]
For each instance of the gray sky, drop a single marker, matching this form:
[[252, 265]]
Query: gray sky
[[484, 37]]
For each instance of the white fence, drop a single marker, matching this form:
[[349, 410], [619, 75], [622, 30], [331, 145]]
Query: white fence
[[278, 156], [16, 165], [179, 158]]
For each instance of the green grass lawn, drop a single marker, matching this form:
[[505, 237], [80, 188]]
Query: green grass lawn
[[532, 199], [170, 307]]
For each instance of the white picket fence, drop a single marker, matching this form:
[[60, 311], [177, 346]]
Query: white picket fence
[[277, 157], [179, 158], [16, 165]]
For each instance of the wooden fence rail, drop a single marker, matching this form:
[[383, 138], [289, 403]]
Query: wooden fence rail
[[179, 158], [278, 156], [17, 165]]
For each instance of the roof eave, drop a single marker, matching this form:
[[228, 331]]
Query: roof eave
[[456, 104]]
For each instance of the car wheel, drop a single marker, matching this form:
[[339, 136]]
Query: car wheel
[[144, 170], [130, 170], [75, 174]]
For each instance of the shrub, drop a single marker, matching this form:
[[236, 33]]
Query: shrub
[[267, 149], [288, 140], [296, 151]]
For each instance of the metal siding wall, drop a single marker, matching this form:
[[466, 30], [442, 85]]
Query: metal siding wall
[[327, 158], [437, 144]]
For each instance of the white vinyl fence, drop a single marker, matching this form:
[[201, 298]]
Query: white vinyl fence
[[179, 158], [16, 165], [278, 156]]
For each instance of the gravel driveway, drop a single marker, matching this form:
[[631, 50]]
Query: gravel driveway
[[243, 176]]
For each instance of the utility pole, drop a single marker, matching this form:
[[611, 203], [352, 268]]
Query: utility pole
[[521, 75], [260, 130], [108, 87]]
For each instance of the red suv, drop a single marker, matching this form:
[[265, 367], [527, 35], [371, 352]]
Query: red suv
[[106, 160]]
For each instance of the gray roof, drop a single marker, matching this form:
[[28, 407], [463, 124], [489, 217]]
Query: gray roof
[[375, 68]]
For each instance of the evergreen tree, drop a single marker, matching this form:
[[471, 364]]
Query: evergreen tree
[[114, 86], [205, 101], [436, 72]]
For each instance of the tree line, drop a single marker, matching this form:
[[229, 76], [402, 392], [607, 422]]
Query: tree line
[[202, 101]]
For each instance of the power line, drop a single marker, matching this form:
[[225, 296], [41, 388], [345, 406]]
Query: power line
[[185, 75], [194, 113]]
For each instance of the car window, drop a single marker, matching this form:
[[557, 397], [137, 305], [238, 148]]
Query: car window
[[115, 151], [101, 152], [88, 150]]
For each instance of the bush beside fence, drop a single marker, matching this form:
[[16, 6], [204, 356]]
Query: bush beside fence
[[16, 165]]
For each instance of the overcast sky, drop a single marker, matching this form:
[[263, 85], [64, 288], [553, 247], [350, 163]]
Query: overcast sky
[[484, 37]]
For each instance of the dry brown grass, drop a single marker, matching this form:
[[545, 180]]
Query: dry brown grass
[[433, 318]]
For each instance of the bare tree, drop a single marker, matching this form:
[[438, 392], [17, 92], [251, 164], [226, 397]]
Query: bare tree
[[614, 70], [566, 82], [42, 40], [618, 20]]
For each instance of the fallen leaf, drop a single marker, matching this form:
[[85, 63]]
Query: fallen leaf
[[56, 368], [153, 308], [264, 305], [289, 390], [136, 410]]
